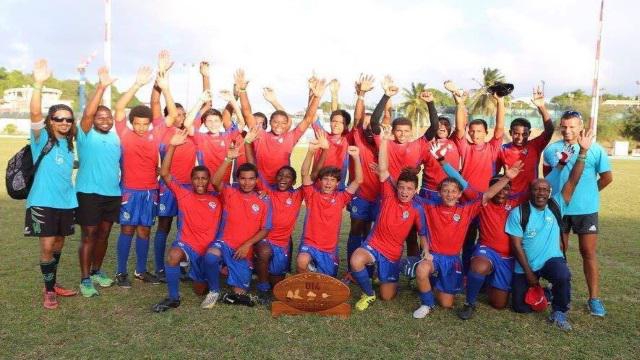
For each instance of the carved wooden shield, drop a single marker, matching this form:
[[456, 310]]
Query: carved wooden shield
[[311, 292]]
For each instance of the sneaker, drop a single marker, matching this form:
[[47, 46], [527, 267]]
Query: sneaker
[[87, 289], [61, 291], [161, 276], [210, 300], [101, 279], [596, 307], [421, 312], [147, 277], [559, 319], [239, 299], [50, 300], [467, 311], [122, 280], [265, 297], [164, 305], [365, 301]]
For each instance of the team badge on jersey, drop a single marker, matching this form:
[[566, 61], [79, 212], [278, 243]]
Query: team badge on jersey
[[289, 201], [126, 215], [280, 140], [212, 205], [354, 209], [255, 208], [530, 233], [525, 151], [456, 217], [162, 207], [405, 215], [507, 207]]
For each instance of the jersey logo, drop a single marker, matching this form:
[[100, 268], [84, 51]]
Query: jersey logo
[[524, 151], [59, 158], [280, 140], [162, 207], [289, 201], [150, 137], [507, 207], [212, 205], [354, 209], [593, 228], [126, 215], [456, 217], [530, 234], [548, 219], [405, 215], [255, 208], [332, 201]]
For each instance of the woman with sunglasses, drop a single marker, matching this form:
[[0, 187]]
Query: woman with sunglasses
[[52, 199]]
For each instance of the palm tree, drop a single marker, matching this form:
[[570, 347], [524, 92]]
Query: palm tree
[[414, 108], [482, 103]]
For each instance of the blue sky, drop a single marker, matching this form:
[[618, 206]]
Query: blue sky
[[280, 42]]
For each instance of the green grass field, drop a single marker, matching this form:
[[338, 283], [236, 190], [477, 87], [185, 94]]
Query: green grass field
[[119, 323]]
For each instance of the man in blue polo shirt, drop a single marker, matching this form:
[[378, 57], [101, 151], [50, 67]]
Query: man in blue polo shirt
[[536, 242], [581, 214]]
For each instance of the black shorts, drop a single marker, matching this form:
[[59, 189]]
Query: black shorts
[[580, 224], [94, 209], [45, 221]]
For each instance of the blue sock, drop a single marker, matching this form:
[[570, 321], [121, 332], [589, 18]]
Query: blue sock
[[173, 281], [264, 286], [123, 248], [212, 268], [159, 245], [426, 298], [142, 253], [354, 242], [474, 283], [362, 278]]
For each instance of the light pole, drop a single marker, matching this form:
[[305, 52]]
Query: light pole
[[106, 99]]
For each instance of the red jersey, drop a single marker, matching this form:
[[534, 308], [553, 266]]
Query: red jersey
[[432, 173], [409, 154], [478, 161], [448, 224], [493, 218], [370, 188], [200, 216], [286, 207], [184, 157], [139, 156], [274, 151], [323, 218], [530, 155], [337, 153], [394, 222], [212, 149], [243, 216]]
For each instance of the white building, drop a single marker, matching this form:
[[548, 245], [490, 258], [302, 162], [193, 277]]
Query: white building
[[16, 100]]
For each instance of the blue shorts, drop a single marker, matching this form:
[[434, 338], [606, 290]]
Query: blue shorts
[[388, 271], [168, 205], [447, 273], [239, 270], [500, 277], [361, 209], [279, 263], [195, 260], [138, 207], [325, 262]]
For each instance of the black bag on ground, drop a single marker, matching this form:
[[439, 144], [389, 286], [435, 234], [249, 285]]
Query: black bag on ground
[[21, 171]]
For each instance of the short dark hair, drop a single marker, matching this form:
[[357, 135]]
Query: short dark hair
[[166, 109], [289, 168], [450, 180], [200, 168], [520, 122], [330, 171], [210, 112], [246, 167], [479, 121], [409, 174], [401, 121], [141, 111], [103, 108], [264, 118], [345, 115]]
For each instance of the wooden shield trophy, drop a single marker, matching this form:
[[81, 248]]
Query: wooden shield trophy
[[311, 293]]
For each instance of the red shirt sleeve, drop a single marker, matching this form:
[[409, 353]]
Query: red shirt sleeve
[[121, 126], [178, 190]]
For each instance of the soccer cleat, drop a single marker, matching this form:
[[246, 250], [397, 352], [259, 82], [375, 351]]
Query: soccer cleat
[[559, 319], [164, 305], [210, 300], [421, 312], [184, 274], [365, 301], [239, 299], [87, 289], [50, 300], [147, 277], [102, 279], [122, 280], [265, 297], [596, 307], [467, 311], [61, 291], [161, 276]]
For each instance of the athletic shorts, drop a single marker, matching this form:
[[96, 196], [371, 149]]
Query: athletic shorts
[[138, 207], [580, 224], [502, 267], [43, 221], [324, 262], [196, 261], [279, 263], [361, 209], [447, 274], [239, 270], [388, 271], [168, 205], [95, 208]]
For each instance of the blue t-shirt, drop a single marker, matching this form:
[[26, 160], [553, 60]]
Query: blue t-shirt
[[99, 155], [52, 186], [541, 240], [586, 197]]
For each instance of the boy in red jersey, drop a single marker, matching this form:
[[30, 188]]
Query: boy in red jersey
[[318, 246], [246, 219], [200, 212], [383, 247]]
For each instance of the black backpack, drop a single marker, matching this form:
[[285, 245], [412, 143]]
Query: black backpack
[[21, 171], [525, 212]]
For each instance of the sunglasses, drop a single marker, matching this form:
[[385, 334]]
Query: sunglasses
[[61, 119], [570, 114]]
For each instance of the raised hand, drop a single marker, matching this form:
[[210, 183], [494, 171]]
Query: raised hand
[[179, 137], [314, 145], [585, 139], [451, 87], [374, 167], [514, 170], [162, 80], [323, 142], [233, 152], [364, 84], [164, 61], [386, 132], [460, 97], [318, 88], [227, 96], [353, 151], [105, 78], [426, 96], [205, 96], [204, 68], [240, 81], [438, 151], [538, 97], [566, 154], [334, 86], [252, 135], [312, 81], [390, 89], [41, 71], [269, 94]]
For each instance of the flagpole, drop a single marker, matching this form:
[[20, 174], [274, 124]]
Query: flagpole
[[595, 89], [106, 99]]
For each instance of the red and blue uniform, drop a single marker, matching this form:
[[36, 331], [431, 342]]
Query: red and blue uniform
[[274, 151], [432, 173], [336, 155], [409, 154], [212, 149], [478, 161], [529, 154], [364, 205]]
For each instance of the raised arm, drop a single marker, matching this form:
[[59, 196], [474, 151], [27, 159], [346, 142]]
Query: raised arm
[[498, 130], [178, 138], [353, 186], [193, 112], [316, 95], [251, 136], [41, 73], [92, 107], [227, 96], [509, 175], [538, 101], [305, 169], [232, 153], [363, 85], [162, 81], [460, 97], [204, 72], [270, 95], [164, 64], [389, 90], [383, 155], [143, 76], [240, 82], [334, 87], [584, 140], [434, 124], [323, 145]]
